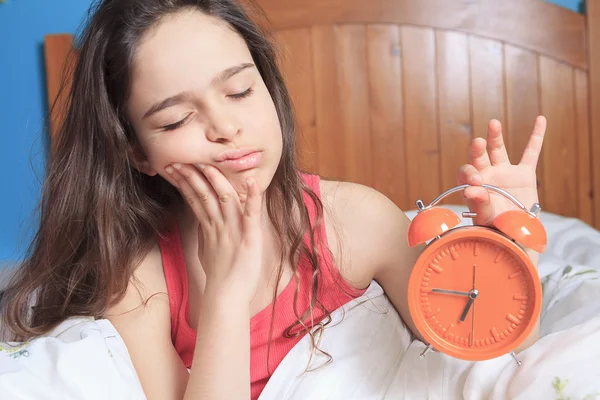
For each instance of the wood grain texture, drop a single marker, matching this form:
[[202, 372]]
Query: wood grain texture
[[593, 25], [454, 106], [584, 150], [560, 153], [297, 68], [522, 98], [354, 90], [420, 111], [386, 112], [522, 104], [487, 84], [59, 62], [534, 25], [328, 104]]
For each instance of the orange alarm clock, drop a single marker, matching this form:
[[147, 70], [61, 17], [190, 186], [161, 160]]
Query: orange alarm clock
[[474, 293]]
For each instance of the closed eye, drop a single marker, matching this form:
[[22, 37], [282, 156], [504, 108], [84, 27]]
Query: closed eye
[[242, 95], [176, 125]]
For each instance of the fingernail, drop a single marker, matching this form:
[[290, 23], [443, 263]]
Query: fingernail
[[177, 165], [201, 166], [248, 182], [476, 178], [169, 170]]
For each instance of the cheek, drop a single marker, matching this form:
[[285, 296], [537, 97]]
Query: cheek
[[176, 147], [264, 118]]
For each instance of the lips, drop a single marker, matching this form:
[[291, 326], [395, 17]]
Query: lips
[[234, 154], [240, 160]]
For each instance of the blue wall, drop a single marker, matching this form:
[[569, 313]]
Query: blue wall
[[23, 24], [570, 4]]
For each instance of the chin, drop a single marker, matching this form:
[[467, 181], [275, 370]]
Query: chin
[[238, 179], [263, 176]]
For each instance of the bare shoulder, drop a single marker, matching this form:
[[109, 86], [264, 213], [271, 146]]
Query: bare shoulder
[[143, 320], [372, 229], [145, 288], [375, 239]]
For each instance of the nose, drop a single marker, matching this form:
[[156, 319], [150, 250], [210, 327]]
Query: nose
[[223, 125]]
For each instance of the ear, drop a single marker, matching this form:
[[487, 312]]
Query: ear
[[139, 161]]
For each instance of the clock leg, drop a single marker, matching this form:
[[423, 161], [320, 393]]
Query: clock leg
[[514, 355], [427, 350]]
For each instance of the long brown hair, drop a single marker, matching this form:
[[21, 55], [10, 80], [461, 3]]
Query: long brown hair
[[99, 216]]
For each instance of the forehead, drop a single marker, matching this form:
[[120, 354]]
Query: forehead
[[186, 49]]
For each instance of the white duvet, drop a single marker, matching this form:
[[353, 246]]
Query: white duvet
[[373, 356]]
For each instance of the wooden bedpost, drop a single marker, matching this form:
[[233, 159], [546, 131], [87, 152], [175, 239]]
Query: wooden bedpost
[[58, 50], [593, 27]]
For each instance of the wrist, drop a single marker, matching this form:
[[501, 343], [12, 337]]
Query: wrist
[[221, 298]]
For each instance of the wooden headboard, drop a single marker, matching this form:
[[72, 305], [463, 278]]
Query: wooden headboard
[[390, 93]]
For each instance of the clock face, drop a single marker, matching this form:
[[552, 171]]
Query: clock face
[[474, 294]]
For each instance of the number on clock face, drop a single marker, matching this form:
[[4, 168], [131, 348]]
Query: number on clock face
[[476, 294]]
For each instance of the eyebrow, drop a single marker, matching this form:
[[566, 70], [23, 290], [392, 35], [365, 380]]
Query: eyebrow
[[184, 96]]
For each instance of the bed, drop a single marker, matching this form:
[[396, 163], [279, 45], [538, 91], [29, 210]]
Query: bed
[[564, 363], [389, 93]]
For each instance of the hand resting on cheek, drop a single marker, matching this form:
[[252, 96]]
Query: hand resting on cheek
[[230, 228]]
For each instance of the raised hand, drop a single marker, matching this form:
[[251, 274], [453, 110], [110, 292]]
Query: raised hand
[[489, 164], [230, 228]]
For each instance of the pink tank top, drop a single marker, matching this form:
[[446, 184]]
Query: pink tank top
[[334, 291]]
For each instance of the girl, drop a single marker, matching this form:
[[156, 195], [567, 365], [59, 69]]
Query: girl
[[173, 205]]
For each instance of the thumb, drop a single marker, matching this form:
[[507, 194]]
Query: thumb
[[477, 199]]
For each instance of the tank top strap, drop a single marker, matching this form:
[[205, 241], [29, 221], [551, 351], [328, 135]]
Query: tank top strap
[[175, 277]]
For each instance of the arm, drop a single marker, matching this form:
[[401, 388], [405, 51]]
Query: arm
[[146, 331], [222, 348], [374, 232], [221, 366]]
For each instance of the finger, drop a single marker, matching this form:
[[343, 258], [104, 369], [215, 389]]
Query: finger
[[185, 189], [252, 213], [229, 200], [469, 175], [496, 148], [478, 154], [531, 154], [478, 200], [169, 176], [198, 193]]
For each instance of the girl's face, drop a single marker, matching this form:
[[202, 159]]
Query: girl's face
[[197, 98]]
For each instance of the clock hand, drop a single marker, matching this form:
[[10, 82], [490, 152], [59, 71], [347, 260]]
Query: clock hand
[[472, 296], [472, 326], [466, 310], [444, 291], [473, 315]]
